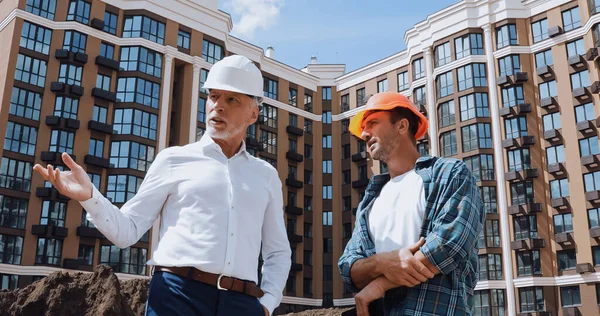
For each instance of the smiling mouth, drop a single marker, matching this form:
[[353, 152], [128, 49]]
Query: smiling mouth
[[217, 121]]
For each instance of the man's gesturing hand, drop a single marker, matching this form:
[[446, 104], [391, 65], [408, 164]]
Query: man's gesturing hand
[[74, 184], [402, 268]]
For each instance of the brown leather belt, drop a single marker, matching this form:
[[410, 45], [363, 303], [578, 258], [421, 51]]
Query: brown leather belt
[[222, 282]]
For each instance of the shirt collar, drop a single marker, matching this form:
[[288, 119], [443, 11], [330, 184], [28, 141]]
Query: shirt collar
[[207, 142]]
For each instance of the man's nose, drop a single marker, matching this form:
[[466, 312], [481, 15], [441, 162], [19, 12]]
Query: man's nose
[[365, 135]]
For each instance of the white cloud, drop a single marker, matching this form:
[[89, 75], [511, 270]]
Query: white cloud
[[254, 14]]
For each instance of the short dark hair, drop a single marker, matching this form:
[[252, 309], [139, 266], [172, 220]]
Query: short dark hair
[[398, 113]]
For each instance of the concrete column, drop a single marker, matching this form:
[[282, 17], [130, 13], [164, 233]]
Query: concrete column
[[431, 110], [194, 105], [507, 263]]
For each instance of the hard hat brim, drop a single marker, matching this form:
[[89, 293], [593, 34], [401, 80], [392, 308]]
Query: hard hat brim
[[356, 121], [235, 80]]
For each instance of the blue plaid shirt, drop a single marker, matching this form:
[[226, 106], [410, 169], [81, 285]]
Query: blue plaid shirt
[[453, 219]]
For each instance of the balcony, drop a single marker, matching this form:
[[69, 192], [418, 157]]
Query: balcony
[[62, 123], [592, 196], [511, 111], [585, 127], [525, 209], [576, 61], [360, 156], [566, 239], [585, 268], [50, 194], [49, 231], [580, 92], [503, 80], [512, 176], [294, 183], [293, 210], [520, 77], [100, 127], [595, 232], [97, 24], [559, 203], [53, 158], [103, 94], [595, 88], [591, 54], [294, 130], [79, 58], [555, 31], [292, 237], [544, 71], [591, 161], [571, 311], [556, 169], [63, 88], [97, 161], [361, 183], [92, 232], [296, 267], [77, 264], [108, 63], [291, 155], [528, 244], [552, 135], [523, 141], [548, 103]]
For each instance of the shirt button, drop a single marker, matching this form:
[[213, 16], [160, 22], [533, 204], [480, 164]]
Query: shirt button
[[228, 263]]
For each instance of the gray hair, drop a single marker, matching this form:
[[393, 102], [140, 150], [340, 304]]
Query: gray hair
[[258, 101]]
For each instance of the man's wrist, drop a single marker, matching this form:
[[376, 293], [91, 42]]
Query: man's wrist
[[382, 261]]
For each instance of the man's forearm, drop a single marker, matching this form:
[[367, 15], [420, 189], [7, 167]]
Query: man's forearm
[[421, 257], [366, 270]]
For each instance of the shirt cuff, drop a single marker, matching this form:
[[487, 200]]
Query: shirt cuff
[[94, 205], [269, 301], [434, 251]]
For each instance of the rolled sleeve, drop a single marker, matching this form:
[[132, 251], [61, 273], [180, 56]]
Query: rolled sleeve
[[457, 223], [353, 252]]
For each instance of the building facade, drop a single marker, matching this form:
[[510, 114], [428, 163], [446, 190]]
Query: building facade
[[510, 87]]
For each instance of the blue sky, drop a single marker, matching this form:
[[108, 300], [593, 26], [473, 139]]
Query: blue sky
[[351, 32]]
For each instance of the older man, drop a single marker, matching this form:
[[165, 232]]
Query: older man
[[415, 240], [219, 207]]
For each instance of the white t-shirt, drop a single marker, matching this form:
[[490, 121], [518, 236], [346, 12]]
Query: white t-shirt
[[396, 217]]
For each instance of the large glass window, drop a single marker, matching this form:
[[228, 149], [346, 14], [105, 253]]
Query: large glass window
[[444, 85], [49, 251], [570, 296], [548, 89], [144, 27], [509, 65], [567, 259], [132, 89], [555, 154], [519, 159], [512, 96], [31, 70], [66, 107], [544, 58], [476, 136], [183, 39], [43, 8], [130, 260], [11, 248], [75, 41], [61, 141], [515, 127], [563, 223], [576, 48], [15, 174], [448, 144], [589, 146], [418, 69], [132, 155], [110, 23], [135, 122], [270, 88], [212, 52], [70, 74], [442, 54], [137, 58], [580, 79], [483, 305], [539, 30], [269, 141], [559, 188], [20, 138], [531, 299], [521, 193], [571, 19], [474, 105], [13, 213], [121, 188], [471, 44], [525, 227], [585, 112], [528, 263], [403, 81], [25, 103], [506, 35], [470, 76], [481, 166], [490, 267], [36, 38], [53, 213], [446, 116], [79, 11], [552, 121]]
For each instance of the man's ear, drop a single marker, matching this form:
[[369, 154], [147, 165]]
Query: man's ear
[[403, 126]]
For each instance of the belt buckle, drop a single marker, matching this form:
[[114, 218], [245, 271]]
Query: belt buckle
[[219, 283]]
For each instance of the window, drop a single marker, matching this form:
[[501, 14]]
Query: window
[[423, 149], [327, 166], [448, 144], [132, 89], [563, 223], [290, 285], [571, 19], [269, 141], [515, 127], [506, 35], [211, 52], [596, 34], [576, 48], [270, 113], [509, 65], [489, 198], [481, 166], [99, 114], [483, 306], [519, 159], [584, 112], [490, 267], [474, 105], [308, 103], [521, 193], [307, 151], [548, 89], [96, 147], [137, 58], [121, 188], [345, 125], [420, 96], [61, 141], [326, 117], [326, 94], [307, 232], [308, 176], [53, 213], [326, 141], [512, 96], [144, 27], [531, 299], [539, 30], [570, 296], [70, 74], [418, 69], [183, 39], [308, 204], [476, 136], [13, 212], [360, 97], [31, 70], [544, 58], [566, 259], [327, 218], [383, 168], [132, 155], [559, 188], [270, 88], [75, 42], [293, 97], [592, 181], [580, 79], [346, 178], [43, 8], [203, 76], [129, 260], [15, 174], [201, 112], [11, 248], [25, 103], [442, 54], [103, 82], [327, 192], [362, 172], [107, 50], [402, 81], [20, 138], [525, 227], [589, 146], [596, 257], [528, 263], [36, 38], [382, 86], [470, 76], [551, 121], [327, 248], [446, 115], [443, 85], [86, 253], [79, 11], [594, 6], [470, 44], [49, 251], [555, 154], [95, 178], [492, 233], [110, 23]]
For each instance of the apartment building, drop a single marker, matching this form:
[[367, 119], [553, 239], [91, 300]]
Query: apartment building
[[510, 87]]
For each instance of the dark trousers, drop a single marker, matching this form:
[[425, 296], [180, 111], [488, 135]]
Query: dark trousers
[[170, 294]]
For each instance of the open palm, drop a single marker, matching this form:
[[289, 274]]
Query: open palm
[[74, 184]]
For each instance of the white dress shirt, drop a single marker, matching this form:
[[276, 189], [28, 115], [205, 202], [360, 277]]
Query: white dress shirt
[[215, 213]]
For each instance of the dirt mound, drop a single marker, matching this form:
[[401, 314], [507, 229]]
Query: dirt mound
[[324, 312]]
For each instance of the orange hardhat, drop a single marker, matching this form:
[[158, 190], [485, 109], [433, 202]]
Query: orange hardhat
[[385, 101]]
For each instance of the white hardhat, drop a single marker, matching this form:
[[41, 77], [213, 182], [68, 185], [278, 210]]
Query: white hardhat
[[235, 73]]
